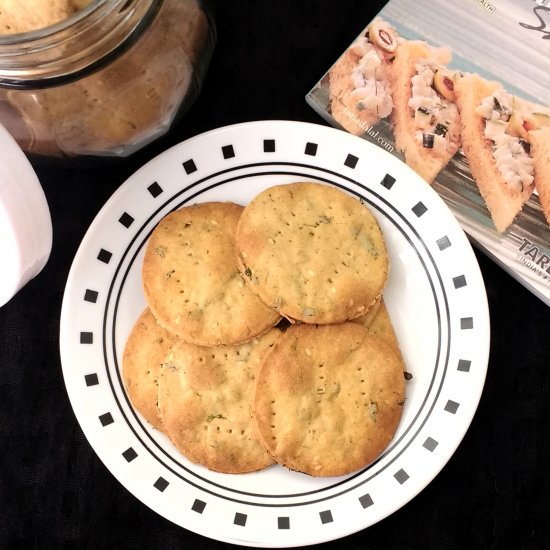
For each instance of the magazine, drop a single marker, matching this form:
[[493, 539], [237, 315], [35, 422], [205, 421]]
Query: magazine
[[461, 93]]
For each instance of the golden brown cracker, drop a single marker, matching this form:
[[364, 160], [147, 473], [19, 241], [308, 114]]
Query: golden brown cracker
[[191, 282], [378, 321], [369, 317], [380, 324], [205, 397], [126, 103], [328, 399], [18, 16], [313, 252], [146, 349]]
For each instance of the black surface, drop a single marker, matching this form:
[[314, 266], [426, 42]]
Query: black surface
[[55, 493]]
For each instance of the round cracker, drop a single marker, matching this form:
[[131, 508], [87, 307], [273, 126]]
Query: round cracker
[[380, 324], [313, 252], [205, 399], [328, 399], [146, 349], [373, 312], [191, 282]]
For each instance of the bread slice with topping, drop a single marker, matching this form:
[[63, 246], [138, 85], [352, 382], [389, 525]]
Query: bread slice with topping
[[499, 161], [359, 83], [540, 151], [425, 117]]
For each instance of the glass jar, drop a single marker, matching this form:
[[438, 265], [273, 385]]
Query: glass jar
[[106, 81]]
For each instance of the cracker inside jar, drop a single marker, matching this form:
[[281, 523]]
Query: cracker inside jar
[[30, 15], [126, 90]]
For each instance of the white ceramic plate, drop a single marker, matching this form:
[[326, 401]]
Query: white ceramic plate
[[435, 296]]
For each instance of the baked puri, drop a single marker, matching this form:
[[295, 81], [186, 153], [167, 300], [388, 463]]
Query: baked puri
[[205, 397], [504, 199], [425, 117], [379, 323], [329, 398], [111, 108], [191, 282], [146, 349], [367, 319], [29, 15], [359, 82], [312, 252]]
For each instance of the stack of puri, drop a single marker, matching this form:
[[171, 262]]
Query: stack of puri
[[266, 338]]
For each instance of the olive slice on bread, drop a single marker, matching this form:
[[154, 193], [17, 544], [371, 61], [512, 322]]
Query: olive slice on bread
[[444, 84], [383, 36]]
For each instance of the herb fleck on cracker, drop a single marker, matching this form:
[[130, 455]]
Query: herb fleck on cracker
[[373, 410], [170, 366], [213, 416], [161, 251]]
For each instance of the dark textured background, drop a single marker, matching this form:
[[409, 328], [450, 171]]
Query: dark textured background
[[55, 493]]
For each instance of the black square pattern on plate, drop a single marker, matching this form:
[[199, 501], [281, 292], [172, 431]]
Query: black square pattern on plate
[[430, 444], [466, 323], [311, 149], [419, 209], [86, 337], [387, 181], [401, 476], [351, 161], [366, 501], [283, 522], [154, 189], [129, 454], [104, 256], [106, 419], [161, 484], [269, 145], [464, 365], [91, 380], [126, 220], [452, 406], [198, 506], [326, 516], [189, 166], [228, 152], [240, 519], [460, 281], [443, 243], [90, 296]]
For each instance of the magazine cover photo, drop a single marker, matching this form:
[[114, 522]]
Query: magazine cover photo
[[461, 93]]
